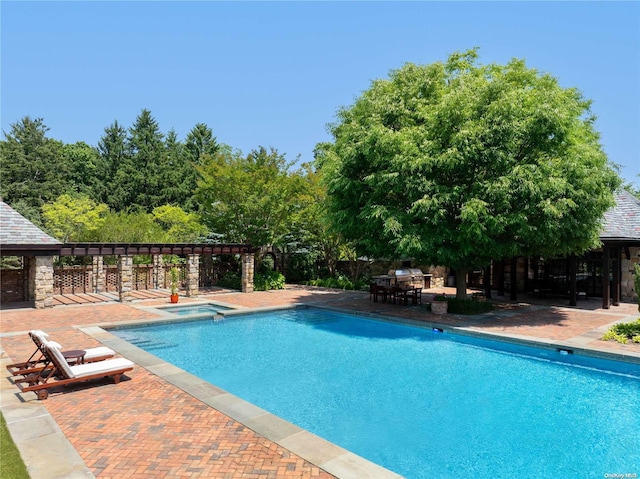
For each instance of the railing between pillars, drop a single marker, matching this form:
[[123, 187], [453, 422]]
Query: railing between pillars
[[79, 279]]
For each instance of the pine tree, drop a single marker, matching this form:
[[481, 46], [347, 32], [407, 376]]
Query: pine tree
[[33, 169]]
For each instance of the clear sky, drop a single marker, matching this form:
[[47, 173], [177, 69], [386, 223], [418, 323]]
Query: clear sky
[[275, 73]]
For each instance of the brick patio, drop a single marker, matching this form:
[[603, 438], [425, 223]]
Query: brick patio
[[146, 427]]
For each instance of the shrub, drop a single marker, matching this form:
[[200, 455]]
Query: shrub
[[231, 280], [468, 306], [268, 280], [261, 281], [301, 267], [339, 282], [623, 332]]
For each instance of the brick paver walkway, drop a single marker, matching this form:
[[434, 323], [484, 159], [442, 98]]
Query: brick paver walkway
[[145, 427]]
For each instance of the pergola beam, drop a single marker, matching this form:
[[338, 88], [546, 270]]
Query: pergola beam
[[114, 249]]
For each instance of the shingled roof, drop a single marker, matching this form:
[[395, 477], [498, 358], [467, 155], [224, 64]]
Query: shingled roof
[[20, 237], [622, 222]]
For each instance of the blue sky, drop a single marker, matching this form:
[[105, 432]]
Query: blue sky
[[275, 73]]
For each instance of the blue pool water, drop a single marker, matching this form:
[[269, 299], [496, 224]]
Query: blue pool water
[[423, 404], [195, 309]]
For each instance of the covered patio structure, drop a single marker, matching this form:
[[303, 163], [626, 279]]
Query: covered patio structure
[[607, 272], [34, 282]]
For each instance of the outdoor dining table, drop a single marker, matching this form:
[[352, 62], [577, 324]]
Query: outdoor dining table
[[407, 292], [394, 293]]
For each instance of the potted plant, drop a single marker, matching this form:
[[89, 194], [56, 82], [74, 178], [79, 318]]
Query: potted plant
[[439, 305], [174, 283]]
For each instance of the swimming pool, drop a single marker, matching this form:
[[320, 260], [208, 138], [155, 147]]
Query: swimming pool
[[420, 403], [195, 309]]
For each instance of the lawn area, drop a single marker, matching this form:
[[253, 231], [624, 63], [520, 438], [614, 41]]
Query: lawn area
[[11, 464]]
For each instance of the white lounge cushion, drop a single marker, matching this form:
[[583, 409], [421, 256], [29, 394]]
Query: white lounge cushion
[[40, 333], [90, 353], [100, 367], [59, 359], [98, 352]]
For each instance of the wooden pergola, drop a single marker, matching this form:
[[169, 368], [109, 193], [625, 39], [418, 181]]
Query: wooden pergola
[[116, 249]]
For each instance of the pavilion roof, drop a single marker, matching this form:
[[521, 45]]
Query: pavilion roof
[[622, 222], [18, 235]]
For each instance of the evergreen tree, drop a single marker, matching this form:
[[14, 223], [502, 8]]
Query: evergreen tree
[[178, 175], [200, 141], [112, 151], [200, 144], [141, 174], [33, 168], [82, 161]]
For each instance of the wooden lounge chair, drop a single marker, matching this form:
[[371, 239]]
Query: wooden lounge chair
[[61, 373], [37, 361]]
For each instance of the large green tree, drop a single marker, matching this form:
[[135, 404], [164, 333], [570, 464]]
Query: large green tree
[[177, 175], [141, 168], [113, 153], [459, 163], [82, 162], [72, 218], [140, 175], [130, 227], [313, 225], [179, 226], [251, 198], [32, 166]]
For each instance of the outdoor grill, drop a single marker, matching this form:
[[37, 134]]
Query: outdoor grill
[[407, 277]]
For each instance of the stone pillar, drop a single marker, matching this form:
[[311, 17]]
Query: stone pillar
[[125, 278], [41, 281], [193, 274], [97, 274], [158, 271], [247, 272]]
